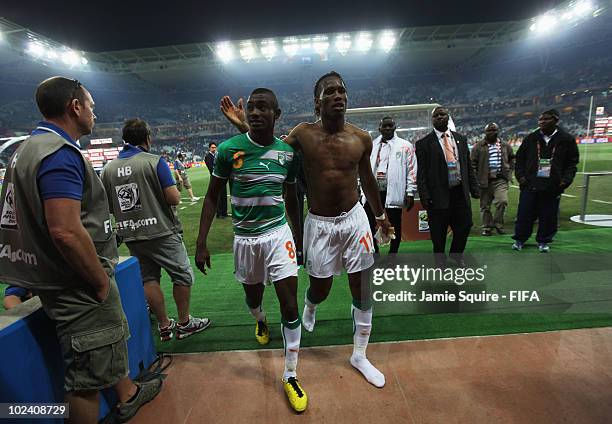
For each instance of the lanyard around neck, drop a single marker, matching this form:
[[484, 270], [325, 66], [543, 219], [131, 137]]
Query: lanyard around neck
[[539, 150]]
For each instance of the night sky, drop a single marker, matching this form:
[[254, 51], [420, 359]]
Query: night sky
[[113, 25]]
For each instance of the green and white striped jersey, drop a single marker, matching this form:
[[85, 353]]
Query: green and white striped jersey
[[256, 175]]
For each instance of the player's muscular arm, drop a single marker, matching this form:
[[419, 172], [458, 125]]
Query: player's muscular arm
[[370, 188], [208, 213], [293, 139], [368, 182]]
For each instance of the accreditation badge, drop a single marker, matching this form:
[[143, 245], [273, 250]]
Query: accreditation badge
[[544, 166], [453, 173], [423, 221]]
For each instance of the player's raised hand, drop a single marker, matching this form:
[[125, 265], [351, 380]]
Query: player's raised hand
[[235, 114], [202, 258]]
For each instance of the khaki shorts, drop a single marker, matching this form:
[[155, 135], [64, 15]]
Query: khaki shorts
[[167, 252], [185, 182], [92, 335]]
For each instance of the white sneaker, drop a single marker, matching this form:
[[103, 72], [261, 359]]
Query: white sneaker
[[543, 248], [195, 325], [166, 333]]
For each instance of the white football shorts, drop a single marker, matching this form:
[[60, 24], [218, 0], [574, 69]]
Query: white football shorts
[[265, 258], [334, 243]]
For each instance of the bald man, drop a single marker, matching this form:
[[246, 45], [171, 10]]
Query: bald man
[[445, 180]]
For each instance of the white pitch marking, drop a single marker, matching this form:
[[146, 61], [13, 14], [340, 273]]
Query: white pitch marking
[[602, 201]]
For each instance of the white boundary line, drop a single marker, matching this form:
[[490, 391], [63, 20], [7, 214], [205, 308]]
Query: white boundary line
[[563, 194], [391, 342]]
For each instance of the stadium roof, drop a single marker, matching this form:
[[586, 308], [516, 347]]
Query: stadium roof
[[417, 38], [466, 38], [113, 24]]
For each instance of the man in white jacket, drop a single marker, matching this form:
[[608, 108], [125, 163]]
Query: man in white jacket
[[394, 165]]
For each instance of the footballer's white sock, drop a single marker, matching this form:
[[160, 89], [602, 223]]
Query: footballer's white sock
[[362, 326], [310, 310], [258, 313], [292, 333]]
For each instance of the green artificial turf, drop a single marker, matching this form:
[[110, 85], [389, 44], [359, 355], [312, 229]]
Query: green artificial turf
[[599, 158], [219, 297]]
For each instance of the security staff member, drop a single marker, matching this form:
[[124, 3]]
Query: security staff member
[[141, 195]]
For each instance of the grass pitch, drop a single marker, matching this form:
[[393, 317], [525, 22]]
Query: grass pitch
[[599, 158], [221, 298]]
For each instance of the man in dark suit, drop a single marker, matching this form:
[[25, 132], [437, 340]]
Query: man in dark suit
[[445, 180], [209, 160], [545, 166]]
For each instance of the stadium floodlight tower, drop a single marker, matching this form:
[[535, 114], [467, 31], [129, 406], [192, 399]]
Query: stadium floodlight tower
[[413, 121]]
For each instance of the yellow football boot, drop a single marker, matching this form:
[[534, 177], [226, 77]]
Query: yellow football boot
[[295, 394], [262, 332]]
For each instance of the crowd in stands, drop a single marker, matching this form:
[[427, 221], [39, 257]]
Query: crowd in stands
[[512, 99]]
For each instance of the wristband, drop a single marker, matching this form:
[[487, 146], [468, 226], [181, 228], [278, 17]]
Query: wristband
[[380, 218]]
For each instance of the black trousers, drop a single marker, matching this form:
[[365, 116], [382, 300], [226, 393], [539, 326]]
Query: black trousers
[[395, 218], [222, 202], [458, 216], [540, 205]]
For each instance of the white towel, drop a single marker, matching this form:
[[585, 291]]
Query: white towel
[[384, 239]]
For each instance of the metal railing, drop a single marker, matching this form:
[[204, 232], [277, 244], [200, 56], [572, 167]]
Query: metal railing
[[585, 190]]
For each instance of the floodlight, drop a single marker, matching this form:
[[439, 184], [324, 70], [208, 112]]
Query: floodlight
[[320, 44], [387, 40], [533, 27], [546, 23], [291, 46], [247, 50], [225, 51], [583, 8], [567, 15], [70, 58], [51, 54], [364, 41], [35, 48], [268, 49], [343, 43], [84, 61], [305, 43]]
